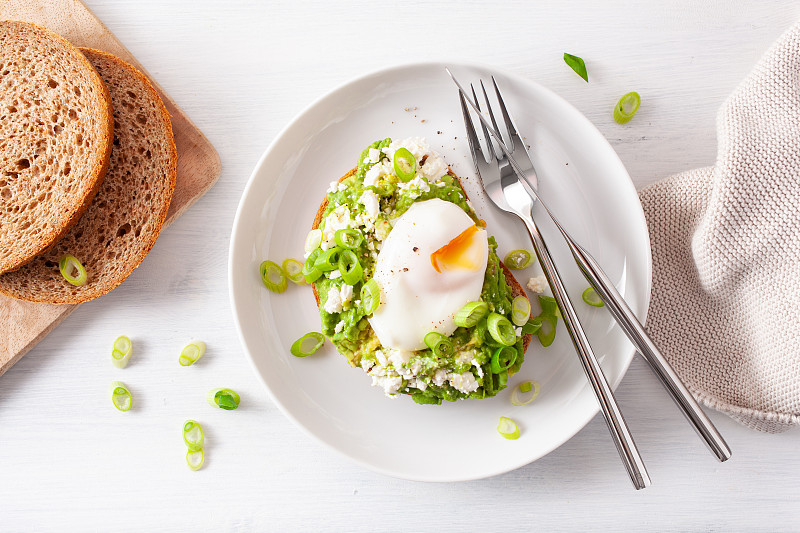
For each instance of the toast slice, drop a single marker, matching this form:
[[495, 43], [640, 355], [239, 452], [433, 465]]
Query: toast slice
[[56, 130], [124, 220]]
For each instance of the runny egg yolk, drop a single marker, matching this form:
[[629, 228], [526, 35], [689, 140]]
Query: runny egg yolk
[[454, 255]]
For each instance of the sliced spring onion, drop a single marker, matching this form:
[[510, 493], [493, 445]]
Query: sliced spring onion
[[501, 329], [502, 380], [195, 459], [508, 428], [293, 270], [549, 305], [532, 326], [226, 399], [503, 358], [524, 393], [370, 296], [328, 260], [121, 352], [310, 271], [348, 238], [349, 267], [426, 399], [471, 314], [520, 310], [72, 270], [439, 344], [627, 106], [191, 353], [272, 276], [405, 164], [590, 297], [307, 344], [121, 397], [547, 331], [518, 259], [313, 240], [193, 435], [577, 64]]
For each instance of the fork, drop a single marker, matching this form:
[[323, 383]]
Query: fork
[[506, 191]]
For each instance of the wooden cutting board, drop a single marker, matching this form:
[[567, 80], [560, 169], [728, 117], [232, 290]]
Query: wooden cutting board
[[23, 324]]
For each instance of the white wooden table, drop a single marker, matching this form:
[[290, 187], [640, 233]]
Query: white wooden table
[[241, 70]]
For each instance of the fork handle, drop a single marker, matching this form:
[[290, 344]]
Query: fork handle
[[605, 396], [636, 333]]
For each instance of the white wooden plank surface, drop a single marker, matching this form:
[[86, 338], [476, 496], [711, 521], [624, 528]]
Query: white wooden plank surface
[[241, 70]]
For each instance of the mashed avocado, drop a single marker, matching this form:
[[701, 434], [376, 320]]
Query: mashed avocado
[[369, 201]]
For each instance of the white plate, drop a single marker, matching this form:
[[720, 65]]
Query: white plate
[[580, 176]]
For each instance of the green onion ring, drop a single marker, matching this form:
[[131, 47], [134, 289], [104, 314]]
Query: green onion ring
[[313, 240], [349, 267], [302, 348], [501, 329], [348, 238], [547, 331], [226, 399], [272, 276], [549, 305], [328, 260], [293, 270], [503, 358], [518, 259], [627, 106], [532, 326], [525, 388], [370, 296], [195, 459], [193, 435], [471, 314], [405, 164], [310, 272], [191, 353], [440, 345], [121, 397], [508, 428], [520, 310], [72, 270], [121, 352], [591, 298]]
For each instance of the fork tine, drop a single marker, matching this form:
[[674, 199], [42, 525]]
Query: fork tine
[[506, 118], [490, 146], [491, 113], [472, 136]]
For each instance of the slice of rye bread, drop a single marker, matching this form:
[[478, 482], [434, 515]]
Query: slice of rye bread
[[516, 288], [126, 216], [56, 129]]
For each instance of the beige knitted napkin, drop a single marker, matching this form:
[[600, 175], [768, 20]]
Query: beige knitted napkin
[[726, 254]]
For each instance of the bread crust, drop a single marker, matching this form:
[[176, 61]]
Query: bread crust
[[516, 287]]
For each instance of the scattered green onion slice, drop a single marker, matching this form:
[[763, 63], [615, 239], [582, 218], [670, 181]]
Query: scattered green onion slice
[[370, 296], [532, 326], [348, 238], [310, 271], [508, 428], [525, 393], [121, 397], [191, 353], [471, 314], [439, 344], [121, 352], [272, 276], [195, 459], [549, 305], [627, 106], [313, 240], [501, 329], [293, 270], [349, 267], [520, 310], [405, 164], [518, 259], [547, 331], [226, 399], [307, 344], [503, 358], [72, 270], [328, 260], [577, 64], [590, 297], [193, 435]]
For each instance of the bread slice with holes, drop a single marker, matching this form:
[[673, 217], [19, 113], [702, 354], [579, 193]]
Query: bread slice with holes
[[56, 129], [125, 217]]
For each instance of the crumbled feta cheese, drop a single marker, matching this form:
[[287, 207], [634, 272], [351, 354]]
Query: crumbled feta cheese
[[338, 219], [440, 377], [334, 186], [390, 384], [334, 274], [434, 167], [464, 357], [478, 367], [464, 382], [341, 187], [374, 155], [333, 304], [366, 364], [381, 357], [346, 293], [371, 204], [338, 327], [538, 284], [376, 172], [518, 331], [399, 358]]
